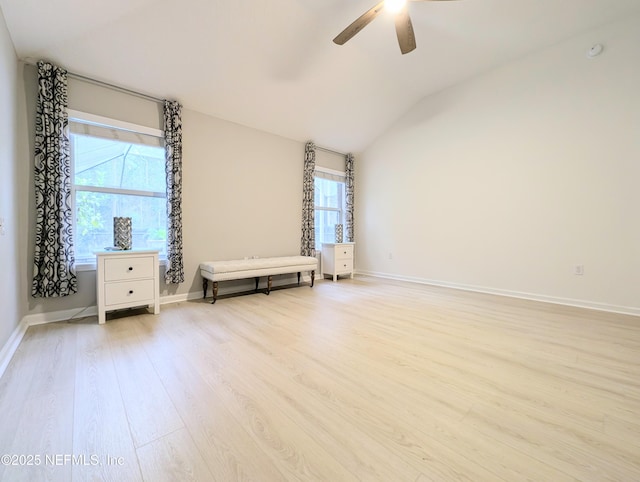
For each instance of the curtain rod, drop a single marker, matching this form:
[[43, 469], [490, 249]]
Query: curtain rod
[[119, 88], [114, 87], [331, 151]]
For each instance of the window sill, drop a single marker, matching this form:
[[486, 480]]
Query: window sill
[[92, 266]]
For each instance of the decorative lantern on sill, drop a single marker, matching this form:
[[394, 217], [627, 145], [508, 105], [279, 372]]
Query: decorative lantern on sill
[[339, 236], [122, 232]]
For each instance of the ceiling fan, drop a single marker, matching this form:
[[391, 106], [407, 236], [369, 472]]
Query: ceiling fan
[[404, 28]]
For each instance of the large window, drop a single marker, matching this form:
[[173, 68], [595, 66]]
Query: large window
[[329, 204], [119, 170]]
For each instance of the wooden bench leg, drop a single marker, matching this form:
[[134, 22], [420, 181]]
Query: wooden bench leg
[[298, 278], [257, 281], [215, 292], [313, 277], [269, 281], [205, 284]]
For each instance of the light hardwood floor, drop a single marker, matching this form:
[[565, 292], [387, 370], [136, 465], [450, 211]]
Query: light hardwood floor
[[357, 380]]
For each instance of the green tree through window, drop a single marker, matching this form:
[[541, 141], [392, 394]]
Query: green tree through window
[[117, 174]]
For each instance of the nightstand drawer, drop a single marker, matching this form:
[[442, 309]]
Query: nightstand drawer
[[344, 266], [344, 252], [128, 292], [117, 269]]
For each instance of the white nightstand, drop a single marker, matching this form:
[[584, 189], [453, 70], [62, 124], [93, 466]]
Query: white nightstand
[[125, 279], [337, 259]]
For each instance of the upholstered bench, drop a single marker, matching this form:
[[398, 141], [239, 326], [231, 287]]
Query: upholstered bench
[[216, 271]]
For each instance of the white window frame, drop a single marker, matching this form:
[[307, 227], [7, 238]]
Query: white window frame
[[87, 118], [340, 176]]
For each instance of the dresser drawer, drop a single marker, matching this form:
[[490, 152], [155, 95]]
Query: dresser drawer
[[128, 292], [343, 266], [131, 267], [344, 252]]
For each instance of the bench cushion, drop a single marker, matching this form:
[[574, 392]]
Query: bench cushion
[[249, 268]]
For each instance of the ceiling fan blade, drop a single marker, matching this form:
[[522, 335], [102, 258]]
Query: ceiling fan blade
[[361, 22], [404, 31]]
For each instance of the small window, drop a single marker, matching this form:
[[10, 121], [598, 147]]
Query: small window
[[329, 205], [117, 172]]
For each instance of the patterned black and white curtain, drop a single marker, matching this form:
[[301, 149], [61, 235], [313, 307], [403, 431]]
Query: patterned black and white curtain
[[54, 260], [349, 194], [173, 154], [308, 240]]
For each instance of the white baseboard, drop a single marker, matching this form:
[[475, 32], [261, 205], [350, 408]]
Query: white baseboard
[[62, 315], [10, 347], [591, 305], [77, 313], [194, 295]]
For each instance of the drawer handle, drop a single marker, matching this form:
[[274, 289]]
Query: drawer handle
[[130, 268], [130, 292], [345, 252], [345, 265]]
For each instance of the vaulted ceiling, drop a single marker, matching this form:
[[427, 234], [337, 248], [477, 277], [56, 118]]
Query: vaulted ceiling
[[271, 64]]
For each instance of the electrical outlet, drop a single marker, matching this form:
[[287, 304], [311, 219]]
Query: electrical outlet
[[390, 255], [578, 270]]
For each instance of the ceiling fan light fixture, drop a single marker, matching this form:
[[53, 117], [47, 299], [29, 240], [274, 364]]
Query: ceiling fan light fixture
[[394, 6], [404, 27]]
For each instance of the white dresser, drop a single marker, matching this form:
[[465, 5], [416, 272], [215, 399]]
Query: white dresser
[[126, 279], [337, 259]]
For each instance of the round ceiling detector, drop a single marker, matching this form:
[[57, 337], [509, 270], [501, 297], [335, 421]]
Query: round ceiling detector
[[594, 51]]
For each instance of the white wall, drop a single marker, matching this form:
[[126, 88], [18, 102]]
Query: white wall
[[242, 193], [507, 181], [11, 289], [242, 189]]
